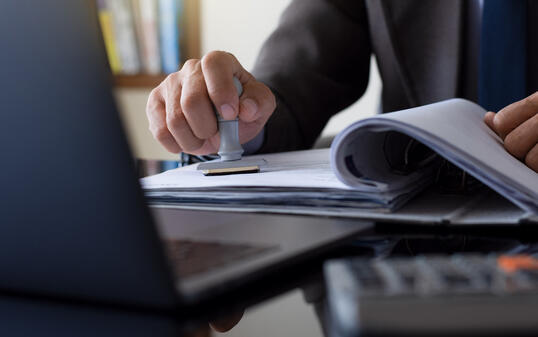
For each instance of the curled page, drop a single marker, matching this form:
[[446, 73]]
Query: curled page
[[455, 130]]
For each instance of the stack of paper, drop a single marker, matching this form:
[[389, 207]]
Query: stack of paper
[[373, 168], [292, 182]]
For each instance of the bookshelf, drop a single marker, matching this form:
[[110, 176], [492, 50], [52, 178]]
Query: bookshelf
[[138, 81], [190, 46]]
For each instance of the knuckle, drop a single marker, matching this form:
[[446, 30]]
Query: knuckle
[[501, 124], [190, 64], [531, 160], [192, 102], [531, 101], [171, 81], [150, 108], [194, 81], [511, 144], [171, 77], [214, 58], [174, 119], [153, 108], [153, 94], [153, 100], [161, 134]]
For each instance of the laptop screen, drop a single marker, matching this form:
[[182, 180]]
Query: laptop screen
[[72, 215]]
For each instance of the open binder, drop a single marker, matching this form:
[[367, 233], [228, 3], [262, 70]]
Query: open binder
[[398, 166]]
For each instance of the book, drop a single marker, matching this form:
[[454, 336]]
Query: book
[[386, 167], [169, 14], [107, 30], [147, 32], [122, 18]]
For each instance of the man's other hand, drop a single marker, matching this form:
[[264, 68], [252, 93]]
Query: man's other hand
[[180, 109], [517, 125]]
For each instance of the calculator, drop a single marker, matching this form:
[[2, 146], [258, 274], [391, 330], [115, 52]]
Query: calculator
[[463, 294]]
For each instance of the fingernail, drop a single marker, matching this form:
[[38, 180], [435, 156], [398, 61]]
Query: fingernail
[[250, 107], [227, 111]]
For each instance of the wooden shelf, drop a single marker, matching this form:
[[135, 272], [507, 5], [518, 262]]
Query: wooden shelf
[[138, 81]]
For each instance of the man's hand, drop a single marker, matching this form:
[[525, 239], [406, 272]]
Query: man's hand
[[517, 125], [180, 109]]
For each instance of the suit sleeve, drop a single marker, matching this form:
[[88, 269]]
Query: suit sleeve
[[317, 63]]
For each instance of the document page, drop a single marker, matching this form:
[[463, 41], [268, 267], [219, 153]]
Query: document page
[[456, 131], [288, 181], [299, 169]]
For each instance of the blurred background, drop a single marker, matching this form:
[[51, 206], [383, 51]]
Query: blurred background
[[146, 39]]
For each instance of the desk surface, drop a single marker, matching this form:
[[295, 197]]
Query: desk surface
[[32, 317], [28, 317]]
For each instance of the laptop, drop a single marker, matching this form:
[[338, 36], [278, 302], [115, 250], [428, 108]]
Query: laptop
[[74, 223]]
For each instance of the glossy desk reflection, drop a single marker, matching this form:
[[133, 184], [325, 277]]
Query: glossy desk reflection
[[27, 317]]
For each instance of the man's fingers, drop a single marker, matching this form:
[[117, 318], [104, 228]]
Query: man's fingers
[[182, 133], [156, 113], [175, 119], [521, 140], [514, 115], [219, 68], [196, 105], [256, 106], [256, 102], [181, 112], [488, 119], [531, 160]]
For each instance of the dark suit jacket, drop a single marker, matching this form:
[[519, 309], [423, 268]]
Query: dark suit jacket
[[317, 61]]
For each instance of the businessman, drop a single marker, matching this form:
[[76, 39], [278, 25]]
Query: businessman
[[317, 62]]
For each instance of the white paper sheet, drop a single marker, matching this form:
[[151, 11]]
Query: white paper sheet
[[299, 169], [298, 179]]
